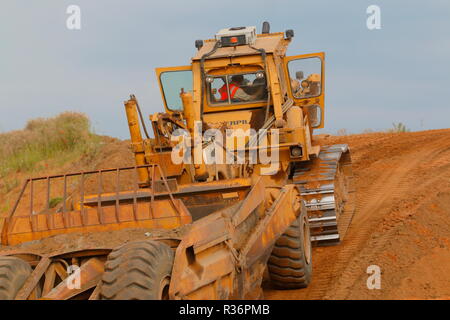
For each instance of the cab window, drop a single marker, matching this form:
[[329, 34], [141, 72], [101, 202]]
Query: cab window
[[306, 77], [236, 88], [172, 82]]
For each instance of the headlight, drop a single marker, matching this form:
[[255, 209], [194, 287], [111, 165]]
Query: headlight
[[259, 75], [296, 152]]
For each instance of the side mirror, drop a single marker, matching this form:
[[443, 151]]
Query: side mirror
[[315, 115], [289, 34], [198, 44], [299, 75]]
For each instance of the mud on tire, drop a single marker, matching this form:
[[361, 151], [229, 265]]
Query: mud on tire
[[290, 264], [13, 274], [138, 271]]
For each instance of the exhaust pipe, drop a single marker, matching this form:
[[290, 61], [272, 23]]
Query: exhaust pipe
[[265, 27]]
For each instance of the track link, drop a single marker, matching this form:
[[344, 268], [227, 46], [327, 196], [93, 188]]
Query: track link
[[326, 184]]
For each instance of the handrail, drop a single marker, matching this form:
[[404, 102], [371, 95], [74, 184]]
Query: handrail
[[83, 174]]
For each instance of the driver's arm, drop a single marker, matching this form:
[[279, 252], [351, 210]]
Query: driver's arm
[[242, 96]]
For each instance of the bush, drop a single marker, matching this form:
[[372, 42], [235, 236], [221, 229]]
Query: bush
[[398, 127], [54, 202], [342, 132], [66, 135]]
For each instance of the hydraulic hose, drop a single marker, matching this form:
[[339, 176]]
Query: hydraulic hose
[[133, 97]]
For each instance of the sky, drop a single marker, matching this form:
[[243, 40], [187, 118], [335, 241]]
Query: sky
[[399, 73]]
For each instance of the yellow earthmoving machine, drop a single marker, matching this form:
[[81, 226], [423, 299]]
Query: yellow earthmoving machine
[[231, 186]]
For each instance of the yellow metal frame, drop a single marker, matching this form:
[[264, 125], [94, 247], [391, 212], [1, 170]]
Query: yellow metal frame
[[319, 100], [216, 66]]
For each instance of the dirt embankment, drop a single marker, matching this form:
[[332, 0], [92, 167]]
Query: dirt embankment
[[111, 153], [401, 224]]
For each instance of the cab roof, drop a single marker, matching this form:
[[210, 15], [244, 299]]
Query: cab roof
[[270, 42]]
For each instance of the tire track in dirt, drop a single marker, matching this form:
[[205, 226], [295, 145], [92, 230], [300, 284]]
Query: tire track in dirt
[[405, 201], [375, 199], [360, 229], [370, 210]]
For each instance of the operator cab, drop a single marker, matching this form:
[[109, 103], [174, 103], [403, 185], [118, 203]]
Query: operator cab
[[236, 88], [241, 78]]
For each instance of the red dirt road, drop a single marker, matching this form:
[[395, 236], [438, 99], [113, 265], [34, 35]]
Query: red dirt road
[[401, 223]]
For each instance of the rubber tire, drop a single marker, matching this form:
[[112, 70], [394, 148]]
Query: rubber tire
[[135, 271], [13, 274], [288, 265]]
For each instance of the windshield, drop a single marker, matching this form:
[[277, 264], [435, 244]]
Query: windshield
[[172, 82], [237, 88]]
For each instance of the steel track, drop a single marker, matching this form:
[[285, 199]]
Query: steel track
[[326, 184]]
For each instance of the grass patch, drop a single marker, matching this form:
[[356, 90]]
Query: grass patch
[[54, 202], [342, 132], [64, 137], [4, 209], [398, 127], [10, 184]]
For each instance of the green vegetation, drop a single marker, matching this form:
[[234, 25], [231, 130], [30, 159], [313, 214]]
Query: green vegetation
[[398, 127], [10, 184], [54, 202], [342, 132], [4, 208], [65, 137]]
